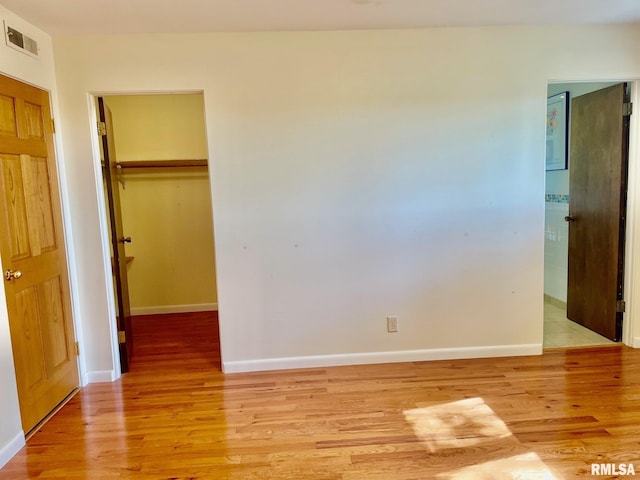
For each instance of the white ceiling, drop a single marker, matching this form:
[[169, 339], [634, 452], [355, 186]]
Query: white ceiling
[[183, 16]]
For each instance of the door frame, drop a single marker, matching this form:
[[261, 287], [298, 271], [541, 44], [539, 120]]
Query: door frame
[[62, 195], [103, 217], [105, 238], [630, 333], [65, 202]]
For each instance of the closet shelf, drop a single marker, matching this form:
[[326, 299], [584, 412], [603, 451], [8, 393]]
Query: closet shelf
[[163, 163], [127, 259]]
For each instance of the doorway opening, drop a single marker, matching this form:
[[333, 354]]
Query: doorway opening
[[160, 221], [583, 273]]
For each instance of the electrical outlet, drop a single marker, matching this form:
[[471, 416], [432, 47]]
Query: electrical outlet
[[392, 324]]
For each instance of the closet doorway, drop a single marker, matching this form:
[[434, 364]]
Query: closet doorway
[[158, 198]]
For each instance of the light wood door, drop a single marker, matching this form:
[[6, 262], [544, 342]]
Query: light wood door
[[118, 239], [598, 191], [33, 253]]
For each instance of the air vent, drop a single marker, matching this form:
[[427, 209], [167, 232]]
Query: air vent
[[19, 41]]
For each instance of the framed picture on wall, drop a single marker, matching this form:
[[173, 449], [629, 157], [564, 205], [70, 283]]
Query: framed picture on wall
[[557, 131]]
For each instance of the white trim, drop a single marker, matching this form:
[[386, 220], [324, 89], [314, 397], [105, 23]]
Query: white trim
[[380, 357], [196, 307], [99, 376], [10, 449], [631, 265], [104, 235], [67, 228]]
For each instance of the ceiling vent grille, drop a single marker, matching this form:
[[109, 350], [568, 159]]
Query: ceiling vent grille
[[19, 41]]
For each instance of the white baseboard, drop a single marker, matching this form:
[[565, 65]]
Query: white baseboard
[[380, 357], [8, 451], [99, 376], [197, 307], [636, 342]]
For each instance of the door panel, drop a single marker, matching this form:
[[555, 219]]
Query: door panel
[[54, 331], [41, 205], [119, 264], [7, 116], [599, 136], [33, 121], [32, 247], [27, 341], [17, 212]]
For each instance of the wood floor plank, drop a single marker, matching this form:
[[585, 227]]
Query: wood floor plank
[[175, 415]]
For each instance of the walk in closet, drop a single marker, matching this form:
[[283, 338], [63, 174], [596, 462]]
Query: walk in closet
[[165, 201]]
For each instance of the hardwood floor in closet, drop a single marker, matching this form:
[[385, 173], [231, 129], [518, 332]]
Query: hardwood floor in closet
[[175, 415]]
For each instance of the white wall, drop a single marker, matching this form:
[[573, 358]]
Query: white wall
[[556, 230], [40, 73], [357, 175]]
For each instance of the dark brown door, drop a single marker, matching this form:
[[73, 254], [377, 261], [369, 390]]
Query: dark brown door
[[597, 187], [118, 239], [34, 262]]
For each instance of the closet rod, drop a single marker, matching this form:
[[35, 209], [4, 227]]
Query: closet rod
[[163, 163]]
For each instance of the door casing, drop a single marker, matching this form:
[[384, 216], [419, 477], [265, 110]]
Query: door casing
[[103, 211]]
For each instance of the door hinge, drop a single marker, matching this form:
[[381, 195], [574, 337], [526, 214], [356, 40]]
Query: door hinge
[[102, 128], [621, 306], [53, 125], [77, 349], [122, 338], [627, 109]]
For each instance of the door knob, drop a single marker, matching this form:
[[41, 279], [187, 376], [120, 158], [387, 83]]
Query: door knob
[[569, 218], [125, 240], [11, 275]]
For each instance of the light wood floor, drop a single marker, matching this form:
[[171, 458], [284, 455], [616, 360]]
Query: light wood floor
[[559, 331], [176, 416]]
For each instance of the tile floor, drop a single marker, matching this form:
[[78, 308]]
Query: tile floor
[[559, 331]]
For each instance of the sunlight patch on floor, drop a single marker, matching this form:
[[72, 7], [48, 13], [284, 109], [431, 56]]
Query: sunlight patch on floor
[[472, 425], [457, 424], [520, 467]]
